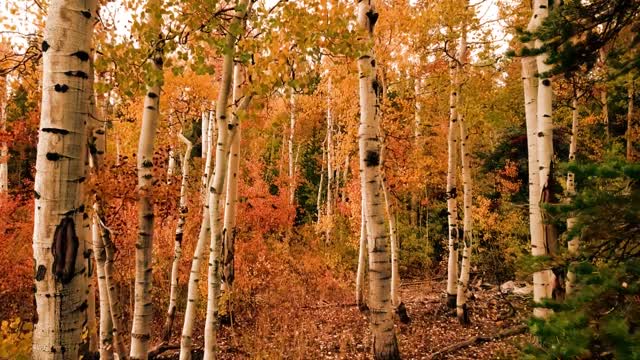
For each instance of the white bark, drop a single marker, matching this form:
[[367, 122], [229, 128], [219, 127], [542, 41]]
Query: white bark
[[292, 127], [395, 275], [542, 280], [106, 322], [177, 245], [629, 133], [452, 191], [320, 185], [4, 150], [229, 231], [205, 134], [385, 344], [330, 156], [573, 243], [58, 240], [143, 310], [226, 132], [210, 141], [362, 257]]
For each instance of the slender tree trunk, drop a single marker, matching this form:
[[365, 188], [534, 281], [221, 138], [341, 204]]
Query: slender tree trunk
[[604, 95], [143, 309], [629, 134], [362, 257], [106, 323], [58, 240], [209, 153], [193, 293], [462, 310], [452, 191], [230, 231], [545, 157], [177, 246], [292, 127], [330, 158], [226, 132], [385, 344], [573, 243], [205, 134], [319, 201], [4, 150]]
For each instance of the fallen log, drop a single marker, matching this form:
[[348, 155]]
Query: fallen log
[[521, 329]]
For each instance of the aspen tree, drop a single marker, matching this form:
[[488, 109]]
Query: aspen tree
[[385, 344], [320, 185], [4, 151], [530, 86], [193, 293], [452, 191], [362, 257], [330, 158], [58, 240], [629, 132], [226, 132], [230, 231], [143, 309], [547, 243], [292, 127], [574, 243], [177, 246]]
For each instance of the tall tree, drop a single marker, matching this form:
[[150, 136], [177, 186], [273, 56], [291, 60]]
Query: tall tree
[[177, 246], [226, 132], [4, 151], [143, 306], [58, 242], [385, 344]]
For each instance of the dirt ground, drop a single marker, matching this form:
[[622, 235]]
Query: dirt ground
[[338, 330]]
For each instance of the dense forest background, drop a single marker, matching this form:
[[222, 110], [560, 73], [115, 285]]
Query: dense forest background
[[289, 274]]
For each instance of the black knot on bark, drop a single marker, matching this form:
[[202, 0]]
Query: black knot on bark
[[61, 88], [546, 82], [80, 74], [373, 18], [65, 250], [45, 46], [152, 95], [372, 158], [86, 13], [42, 270], [82, 55], [53, 156]]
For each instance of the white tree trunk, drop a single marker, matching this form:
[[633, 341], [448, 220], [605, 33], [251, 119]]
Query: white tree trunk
[[320, 185], [210, 141], [362, 257], [292, 127], [205, 134], [177, 245], [106, 322], [226, 132], [193, 293], [543, 280], [330, 157], [629, 134], [452, 191], [385, 344], [229, 231], [573, 243], [143, 310], [58, 239], [4, 150]]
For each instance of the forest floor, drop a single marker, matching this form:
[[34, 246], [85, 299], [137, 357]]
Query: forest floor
[[338, 330]]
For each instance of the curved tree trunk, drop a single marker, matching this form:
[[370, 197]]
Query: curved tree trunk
[[143, 310], [226, 132], [385, 344], [177, 246], [548, 242], [58, 239], [319, 201]]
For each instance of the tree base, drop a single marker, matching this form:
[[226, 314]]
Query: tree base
[[451, 301], [401, 310], [463, 315]]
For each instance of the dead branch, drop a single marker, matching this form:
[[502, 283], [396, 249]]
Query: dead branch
[[521, 329]]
